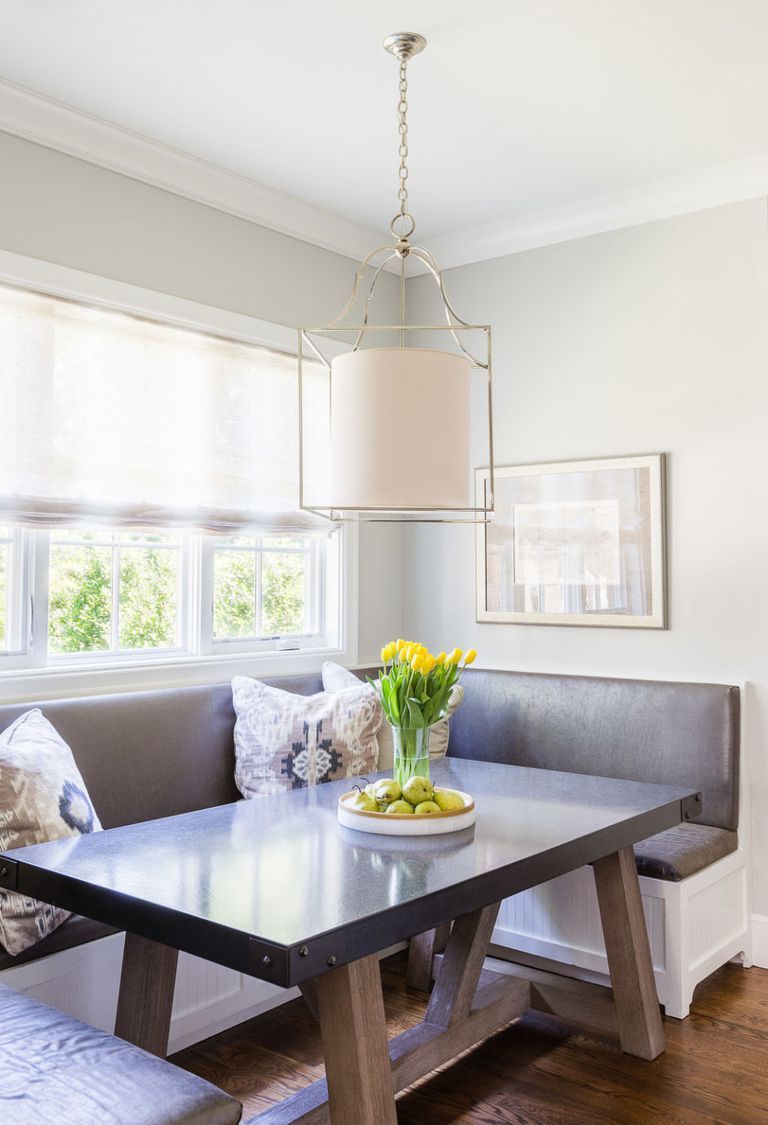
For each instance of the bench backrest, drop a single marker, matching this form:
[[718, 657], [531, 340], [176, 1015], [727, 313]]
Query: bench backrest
[[157, 753], [640, 730], [151, 754]]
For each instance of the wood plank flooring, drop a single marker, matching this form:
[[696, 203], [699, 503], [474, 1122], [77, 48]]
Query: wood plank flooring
[[715, 1068]]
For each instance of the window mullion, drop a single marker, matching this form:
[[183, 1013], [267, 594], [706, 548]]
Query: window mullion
[[39, 564], [116, 554], [204, 599], [258, 568]]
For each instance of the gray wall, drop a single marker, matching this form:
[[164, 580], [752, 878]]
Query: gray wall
[[67, 211], [642, 340]]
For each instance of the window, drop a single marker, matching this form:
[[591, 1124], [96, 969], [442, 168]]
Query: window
[[149, 485], [263, 587], [104, 595], [115, 592]]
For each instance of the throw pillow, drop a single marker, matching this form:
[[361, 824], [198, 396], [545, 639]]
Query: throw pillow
[[42, 797], [286, 741], [337, 678]]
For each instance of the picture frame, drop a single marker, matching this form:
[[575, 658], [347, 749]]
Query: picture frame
[[574, 543]]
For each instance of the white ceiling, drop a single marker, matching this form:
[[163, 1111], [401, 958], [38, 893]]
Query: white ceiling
[[518, 107]]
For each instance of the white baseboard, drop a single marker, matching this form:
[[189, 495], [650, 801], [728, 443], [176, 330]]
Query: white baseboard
[[760, 940]]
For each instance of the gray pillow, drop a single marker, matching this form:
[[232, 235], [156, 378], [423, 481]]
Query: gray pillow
[[42, 797]]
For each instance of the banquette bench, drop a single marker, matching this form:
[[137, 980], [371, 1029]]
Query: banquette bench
[[56, 1068], [155, 754]]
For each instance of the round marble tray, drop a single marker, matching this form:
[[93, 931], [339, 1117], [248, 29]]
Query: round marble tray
[[405, 824]]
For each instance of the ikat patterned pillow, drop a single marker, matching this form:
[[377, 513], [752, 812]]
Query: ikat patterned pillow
[[286, 741], [42, 797]]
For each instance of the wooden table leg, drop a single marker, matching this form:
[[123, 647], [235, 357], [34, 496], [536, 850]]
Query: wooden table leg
[[462, 964], [629, 955], [363, 1070], [421, 954], [145, 999], [354, 1033]]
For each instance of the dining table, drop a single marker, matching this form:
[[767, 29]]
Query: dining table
[[276, 888]]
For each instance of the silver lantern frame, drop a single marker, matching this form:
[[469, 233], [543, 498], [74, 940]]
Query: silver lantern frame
[[403, 46]]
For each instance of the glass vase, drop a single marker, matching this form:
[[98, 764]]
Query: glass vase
[[411, 753]]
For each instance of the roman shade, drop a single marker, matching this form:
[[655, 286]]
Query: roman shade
[[112, 418]]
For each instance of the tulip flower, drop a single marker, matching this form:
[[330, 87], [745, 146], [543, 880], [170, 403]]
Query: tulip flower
[[411, 697]]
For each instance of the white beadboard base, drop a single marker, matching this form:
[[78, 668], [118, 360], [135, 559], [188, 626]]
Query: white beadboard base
[[760, 940], [694, 927], [208, 999], [84, 981]]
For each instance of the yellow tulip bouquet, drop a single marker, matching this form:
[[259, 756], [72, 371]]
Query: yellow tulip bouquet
[[414, 687]]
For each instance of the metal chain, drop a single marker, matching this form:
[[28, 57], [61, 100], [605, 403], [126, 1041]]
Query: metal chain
[[402, 117]]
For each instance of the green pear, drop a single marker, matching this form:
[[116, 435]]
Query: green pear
[[426, 808], [418, 789], [386, 791], [370, 789], [448, 800], [364, 802], [400, 806]]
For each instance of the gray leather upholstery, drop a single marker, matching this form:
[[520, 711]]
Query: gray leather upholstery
[[145, 755], [684, 850], [56, 1069], [639, 730]]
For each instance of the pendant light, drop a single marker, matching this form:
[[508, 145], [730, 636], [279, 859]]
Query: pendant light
[[399, 424]]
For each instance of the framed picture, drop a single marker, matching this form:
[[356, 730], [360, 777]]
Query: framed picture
[[574, 543]]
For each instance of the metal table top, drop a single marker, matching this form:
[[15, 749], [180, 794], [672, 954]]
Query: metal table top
[[275, 887]]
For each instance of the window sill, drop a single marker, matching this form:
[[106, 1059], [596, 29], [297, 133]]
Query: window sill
[[23, 685]]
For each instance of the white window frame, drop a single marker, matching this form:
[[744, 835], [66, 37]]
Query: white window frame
[[19, 600], [319, 580], [185, 638], [213, 661]]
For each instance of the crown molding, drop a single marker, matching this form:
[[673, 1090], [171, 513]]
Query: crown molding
[[716, 186], [48, 122]]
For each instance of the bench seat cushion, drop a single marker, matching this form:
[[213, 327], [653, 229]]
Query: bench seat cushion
[[75, 931], [56, 1069], [683, 850]]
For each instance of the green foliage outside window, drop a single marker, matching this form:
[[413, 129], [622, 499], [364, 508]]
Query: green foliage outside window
[[80, 599], [234, 594], [80, 607], [283, 594], [147, 599]]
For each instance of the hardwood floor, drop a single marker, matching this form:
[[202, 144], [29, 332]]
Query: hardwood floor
[[715, 1068]]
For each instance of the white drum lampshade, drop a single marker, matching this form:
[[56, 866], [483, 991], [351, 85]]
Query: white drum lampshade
[[400, 426]]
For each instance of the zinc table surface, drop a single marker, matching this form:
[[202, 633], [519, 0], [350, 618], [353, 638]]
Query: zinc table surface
[[275, 887]]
